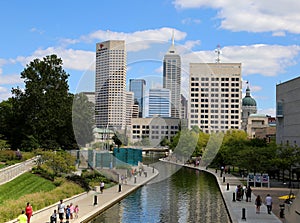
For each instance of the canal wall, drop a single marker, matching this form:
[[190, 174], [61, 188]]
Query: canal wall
[[93, 203], [238, 211]]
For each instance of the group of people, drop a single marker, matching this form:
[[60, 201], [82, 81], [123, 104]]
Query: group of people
[[69, 211], [268, 202], [241, 191], [26, 214]]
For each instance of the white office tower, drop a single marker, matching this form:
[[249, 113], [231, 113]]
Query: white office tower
[[159, 102], [172, 79], [129, 107], [110, 109], [215, 96]]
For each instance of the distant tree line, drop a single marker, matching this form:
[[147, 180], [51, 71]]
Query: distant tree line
[[235, 149], [40, 115]]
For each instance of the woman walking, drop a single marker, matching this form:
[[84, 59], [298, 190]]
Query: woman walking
[[258, 203], [28, 211]]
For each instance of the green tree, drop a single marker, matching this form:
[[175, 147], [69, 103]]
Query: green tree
[[164, 142], [186, 143], [287, 158], [83, 119], [212, 148], [43, 109], [57, 162]]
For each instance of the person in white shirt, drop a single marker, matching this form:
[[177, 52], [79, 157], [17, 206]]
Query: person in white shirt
[[61, 210], [269, 203]]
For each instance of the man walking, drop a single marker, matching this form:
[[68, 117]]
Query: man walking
[[269, 203], [61, 210]]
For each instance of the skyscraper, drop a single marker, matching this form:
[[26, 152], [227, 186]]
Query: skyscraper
[[110, 89], [159, 102], [138, 86], [172, 78], [215, 96]]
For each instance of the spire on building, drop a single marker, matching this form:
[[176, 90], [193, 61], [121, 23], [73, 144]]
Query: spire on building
[[173, 37], [218, 52]]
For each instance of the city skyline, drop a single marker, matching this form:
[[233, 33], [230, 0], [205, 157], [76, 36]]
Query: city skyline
[[268, 51]]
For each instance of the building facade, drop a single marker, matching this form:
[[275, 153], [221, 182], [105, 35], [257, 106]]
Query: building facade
[[110, 89], [155, 128], [159, 102], [248, 107], [129, 107], [184, 107], [138, 87], [288, 112], [215, 96], [172, 79]]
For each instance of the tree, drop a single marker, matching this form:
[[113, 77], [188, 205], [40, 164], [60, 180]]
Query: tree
[[117, 140], [43, 109], [164, 142], [57, 162], [186, 143], [83, 119]]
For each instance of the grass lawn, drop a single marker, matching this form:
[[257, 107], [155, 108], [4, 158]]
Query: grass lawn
[[34, 189], [27, 183]]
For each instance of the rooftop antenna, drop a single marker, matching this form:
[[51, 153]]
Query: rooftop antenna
[[218, 52], [173, 37]]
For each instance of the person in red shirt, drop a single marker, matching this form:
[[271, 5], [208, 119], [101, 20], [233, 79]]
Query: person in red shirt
[[28, 212]]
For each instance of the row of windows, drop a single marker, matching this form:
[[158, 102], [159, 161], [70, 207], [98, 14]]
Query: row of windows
[[215, 95], [215, 78], [155, 127]]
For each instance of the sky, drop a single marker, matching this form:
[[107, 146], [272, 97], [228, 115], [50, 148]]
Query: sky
[[262, 35]]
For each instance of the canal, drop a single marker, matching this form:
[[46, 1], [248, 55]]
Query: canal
[[177, 195]]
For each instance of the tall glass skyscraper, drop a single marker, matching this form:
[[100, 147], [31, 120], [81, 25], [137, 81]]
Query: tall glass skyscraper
[[159, 102], [110, 89], [172, 79], [138, 86]]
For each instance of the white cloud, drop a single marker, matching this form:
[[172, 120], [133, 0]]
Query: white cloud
[[72, 59], [10, 79], [268, 111], [279, 33], [252, 16], [189, 21], [4, 93], [36, 30], [267, 60], [135, 41]]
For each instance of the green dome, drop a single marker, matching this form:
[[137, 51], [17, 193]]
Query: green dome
[[248, 100]]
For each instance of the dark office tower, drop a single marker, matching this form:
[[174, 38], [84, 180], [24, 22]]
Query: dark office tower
[[172, 79], [110, 89], [138, 86]]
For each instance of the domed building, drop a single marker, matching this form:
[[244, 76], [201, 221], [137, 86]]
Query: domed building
[[248, 108]]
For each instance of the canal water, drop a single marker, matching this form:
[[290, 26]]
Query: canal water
[[177, 195]]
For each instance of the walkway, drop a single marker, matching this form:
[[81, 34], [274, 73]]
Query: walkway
[[235, 208], [11, 172], [85, 201]]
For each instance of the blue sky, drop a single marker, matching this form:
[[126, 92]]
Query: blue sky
[[262, 35]]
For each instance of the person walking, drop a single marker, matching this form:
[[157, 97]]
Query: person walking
[[76, 211], [22, 218], [53, 217], [68, 213], [248, 193], [72, 211], [101, 187], [28, 212], [61, 210], [269, 203], [258, 203]]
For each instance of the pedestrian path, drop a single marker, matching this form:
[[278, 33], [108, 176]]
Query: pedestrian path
[[88, 208], [235, 208], [11, 172]]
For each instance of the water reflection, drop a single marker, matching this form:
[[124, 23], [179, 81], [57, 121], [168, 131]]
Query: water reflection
[[186, 196]]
